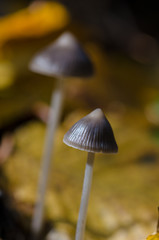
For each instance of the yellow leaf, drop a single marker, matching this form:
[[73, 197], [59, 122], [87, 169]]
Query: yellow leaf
[[153, 237], [38, 19]]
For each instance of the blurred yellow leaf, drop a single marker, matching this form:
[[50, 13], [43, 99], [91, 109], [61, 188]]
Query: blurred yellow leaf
[[153, 237], [38, 19]]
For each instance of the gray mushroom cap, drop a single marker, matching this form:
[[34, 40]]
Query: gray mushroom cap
[[63, 58], [93, 133]]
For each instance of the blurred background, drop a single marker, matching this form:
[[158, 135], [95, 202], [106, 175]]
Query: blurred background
[[122, 39]]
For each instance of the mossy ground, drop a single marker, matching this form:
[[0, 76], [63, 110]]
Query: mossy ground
[[124, 196]]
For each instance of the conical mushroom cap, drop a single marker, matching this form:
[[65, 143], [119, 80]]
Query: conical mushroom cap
[[63, 58], [92, 133]]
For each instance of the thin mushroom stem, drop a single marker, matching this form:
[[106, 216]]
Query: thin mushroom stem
[[85, 197], [53, 120]]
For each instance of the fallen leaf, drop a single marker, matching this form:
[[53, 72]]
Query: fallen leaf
[[36, 20], [153, 237]]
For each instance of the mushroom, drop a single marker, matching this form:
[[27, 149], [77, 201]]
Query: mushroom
[[63, 58], [92, 134]]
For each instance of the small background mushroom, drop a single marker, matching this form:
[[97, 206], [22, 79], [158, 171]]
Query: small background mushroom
[[62, 59]]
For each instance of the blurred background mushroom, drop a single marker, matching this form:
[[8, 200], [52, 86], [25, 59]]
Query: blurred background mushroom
[[62, 59], [122, 38]]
